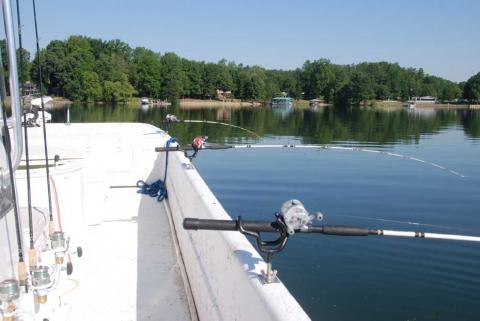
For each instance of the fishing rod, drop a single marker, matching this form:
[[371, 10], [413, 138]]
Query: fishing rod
[[51, 226], [196, 147], [386, 220], [32, 253], [7, 143], [172, 119], [294, 218]]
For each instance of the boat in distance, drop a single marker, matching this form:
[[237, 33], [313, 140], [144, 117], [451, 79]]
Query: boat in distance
[[282, 102]]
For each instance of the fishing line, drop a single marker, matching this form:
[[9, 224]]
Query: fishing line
[[215, 122], [359, 149], [312, 146], [47, 167], [32, 255], [405, 222]]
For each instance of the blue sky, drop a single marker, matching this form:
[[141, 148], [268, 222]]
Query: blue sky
[[443, 37]]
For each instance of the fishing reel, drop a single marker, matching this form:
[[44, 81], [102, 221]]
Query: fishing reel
[[9, 294], [296, 217], [198, 143], [43, 280], [60, 246]]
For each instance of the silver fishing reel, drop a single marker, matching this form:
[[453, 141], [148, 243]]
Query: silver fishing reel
[[9, 293], [296, 217]]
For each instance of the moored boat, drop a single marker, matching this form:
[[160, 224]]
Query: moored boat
[[47, 101], [282, 102]]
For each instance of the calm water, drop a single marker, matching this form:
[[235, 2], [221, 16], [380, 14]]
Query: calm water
[[337, 278]]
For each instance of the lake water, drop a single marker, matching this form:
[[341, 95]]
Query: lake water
[[342, 278]]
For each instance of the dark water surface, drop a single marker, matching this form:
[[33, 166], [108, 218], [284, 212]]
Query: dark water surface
[[341, 278]]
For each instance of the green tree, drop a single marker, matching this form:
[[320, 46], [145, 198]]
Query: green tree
[[360, 88], [147, 64], [471, 90], [118, 91], [24, 54], [172, 77]]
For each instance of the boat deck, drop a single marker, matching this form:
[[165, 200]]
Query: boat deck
[[131, 258], [130, 269]]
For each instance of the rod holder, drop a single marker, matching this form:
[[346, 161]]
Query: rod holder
[[269, 276]]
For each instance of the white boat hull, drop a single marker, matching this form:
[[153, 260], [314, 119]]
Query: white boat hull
[[139, 262], [47, 102]]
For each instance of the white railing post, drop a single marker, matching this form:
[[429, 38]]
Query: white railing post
[[17, 143]]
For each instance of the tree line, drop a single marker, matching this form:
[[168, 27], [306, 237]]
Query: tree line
[[88, 69]]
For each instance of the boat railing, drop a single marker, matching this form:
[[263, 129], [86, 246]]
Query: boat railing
[[17, 143]]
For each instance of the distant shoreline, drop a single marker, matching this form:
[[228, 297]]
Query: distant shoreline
[[400, 104], [200, 103], [59, 101]]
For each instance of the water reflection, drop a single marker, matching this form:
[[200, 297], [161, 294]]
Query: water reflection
[[320, 126], [283, 111]]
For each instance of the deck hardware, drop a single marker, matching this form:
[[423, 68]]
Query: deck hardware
[[188, 166], [9, 293], [268, 247], [56, 159]]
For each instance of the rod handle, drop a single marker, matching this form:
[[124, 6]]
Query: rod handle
[[168, 149], [228, 225]]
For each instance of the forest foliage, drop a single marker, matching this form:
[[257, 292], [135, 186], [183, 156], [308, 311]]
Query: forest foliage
[[87, 69]]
